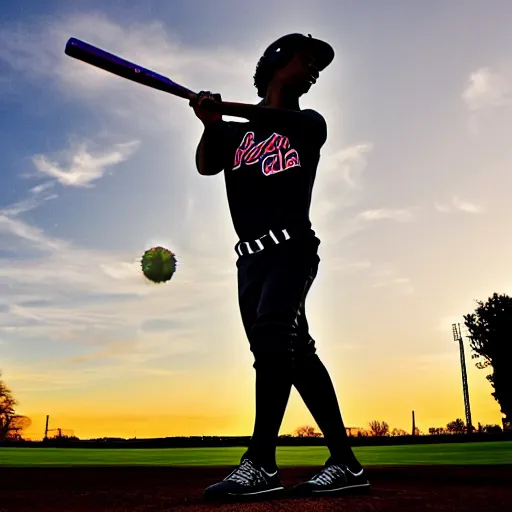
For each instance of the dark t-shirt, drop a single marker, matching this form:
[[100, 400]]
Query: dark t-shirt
[[269, 173]]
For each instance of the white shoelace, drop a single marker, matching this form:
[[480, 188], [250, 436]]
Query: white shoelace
[[328, 475], [246, 474]]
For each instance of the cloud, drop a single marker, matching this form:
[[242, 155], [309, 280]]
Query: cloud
[[403, 284], [348, 163], [458, 204], [96, 303], [351, 267], [72, 298], [80, 167], [340, 181], [388, 276], [487, 90], [466, 206], [68, 301], [442, 208], [36, 196], [396, 215], [37, 53], [31, 234]]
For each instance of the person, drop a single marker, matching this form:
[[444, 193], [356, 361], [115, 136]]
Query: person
[[269, 164]]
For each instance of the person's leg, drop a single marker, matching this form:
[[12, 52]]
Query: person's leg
[[273, 343], [342, 471], [272, 386], [312, 381], [254, 475], [314, 385]]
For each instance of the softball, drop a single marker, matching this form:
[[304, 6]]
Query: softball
[[158, 264]]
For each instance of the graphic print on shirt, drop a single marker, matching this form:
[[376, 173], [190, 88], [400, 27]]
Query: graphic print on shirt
[[273, 153]]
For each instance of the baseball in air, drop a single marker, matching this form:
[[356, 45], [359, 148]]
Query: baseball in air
[[158, 264]]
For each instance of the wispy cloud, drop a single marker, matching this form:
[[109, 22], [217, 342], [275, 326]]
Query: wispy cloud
[[486, 91], [390, 277], [403, 284], [348, 164], [36, 196], [79, 167], [466, 206], [396, 215], [97, 302], [460, 205], [339, 182]]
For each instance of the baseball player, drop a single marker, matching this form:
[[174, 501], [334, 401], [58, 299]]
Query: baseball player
[[269, 164]]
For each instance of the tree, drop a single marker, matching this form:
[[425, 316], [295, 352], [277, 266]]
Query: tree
[[492, 429], [17, 426], [307, 431], [436, 431], [490, 336], [399, 432], [456, 427], [379, 428], [7, 405]]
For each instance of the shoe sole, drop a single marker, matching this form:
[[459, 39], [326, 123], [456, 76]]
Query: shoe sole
[[299, 491], [248, 495]]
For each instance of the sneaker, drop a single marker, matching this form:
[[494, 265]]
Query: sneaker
[[332, 479], [246, 480]]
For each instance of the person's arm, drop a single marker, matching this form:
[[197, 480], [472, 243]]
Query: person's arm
[[210, 151]]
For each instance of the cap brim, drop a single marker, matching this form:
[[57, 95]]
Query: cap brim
[[322, 52]]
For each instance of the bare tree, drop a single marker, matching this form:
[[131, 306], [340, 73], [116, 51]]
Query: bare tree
[[379, 428], [307, 431], [7, 405]]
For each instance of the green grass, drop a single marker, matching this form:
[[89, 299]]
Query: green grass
[[456, 453]]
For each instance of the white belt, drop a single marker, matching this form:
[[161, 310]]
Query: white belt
[[268, 239]]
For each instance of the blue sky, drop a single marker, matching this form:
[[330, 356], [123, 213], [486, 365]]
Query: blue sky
[[411, 202]]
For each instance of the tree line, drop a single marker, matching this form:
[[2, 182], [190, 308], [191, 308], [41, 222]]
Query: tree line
[[381, 429]]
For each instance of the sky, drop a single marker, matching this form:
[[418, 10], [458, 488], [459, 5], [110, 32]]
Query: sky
[[411, 204]]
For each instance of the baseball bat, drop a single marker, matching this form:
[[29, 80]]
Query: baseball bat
[[125, 69], [113, 64]]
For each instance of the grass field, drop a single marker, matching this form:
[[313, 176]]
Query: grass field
[[457, 453]]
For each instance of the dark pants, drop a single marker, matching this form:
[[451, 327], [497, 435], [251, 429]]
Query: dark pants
[[273, 285], [272, 288]]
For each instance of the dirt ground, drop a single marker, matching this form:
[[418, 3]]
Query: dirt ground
[[158, 489]]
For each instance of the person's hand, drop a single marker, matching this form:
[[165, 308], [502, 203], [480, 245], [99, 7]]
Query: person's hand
[[204, 107]]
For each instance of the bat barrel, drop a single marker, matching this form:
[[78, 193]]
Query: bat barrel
[[123, 68]]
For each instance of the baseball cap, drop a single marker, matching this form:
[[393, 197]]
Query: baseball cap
[[322, 51]]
